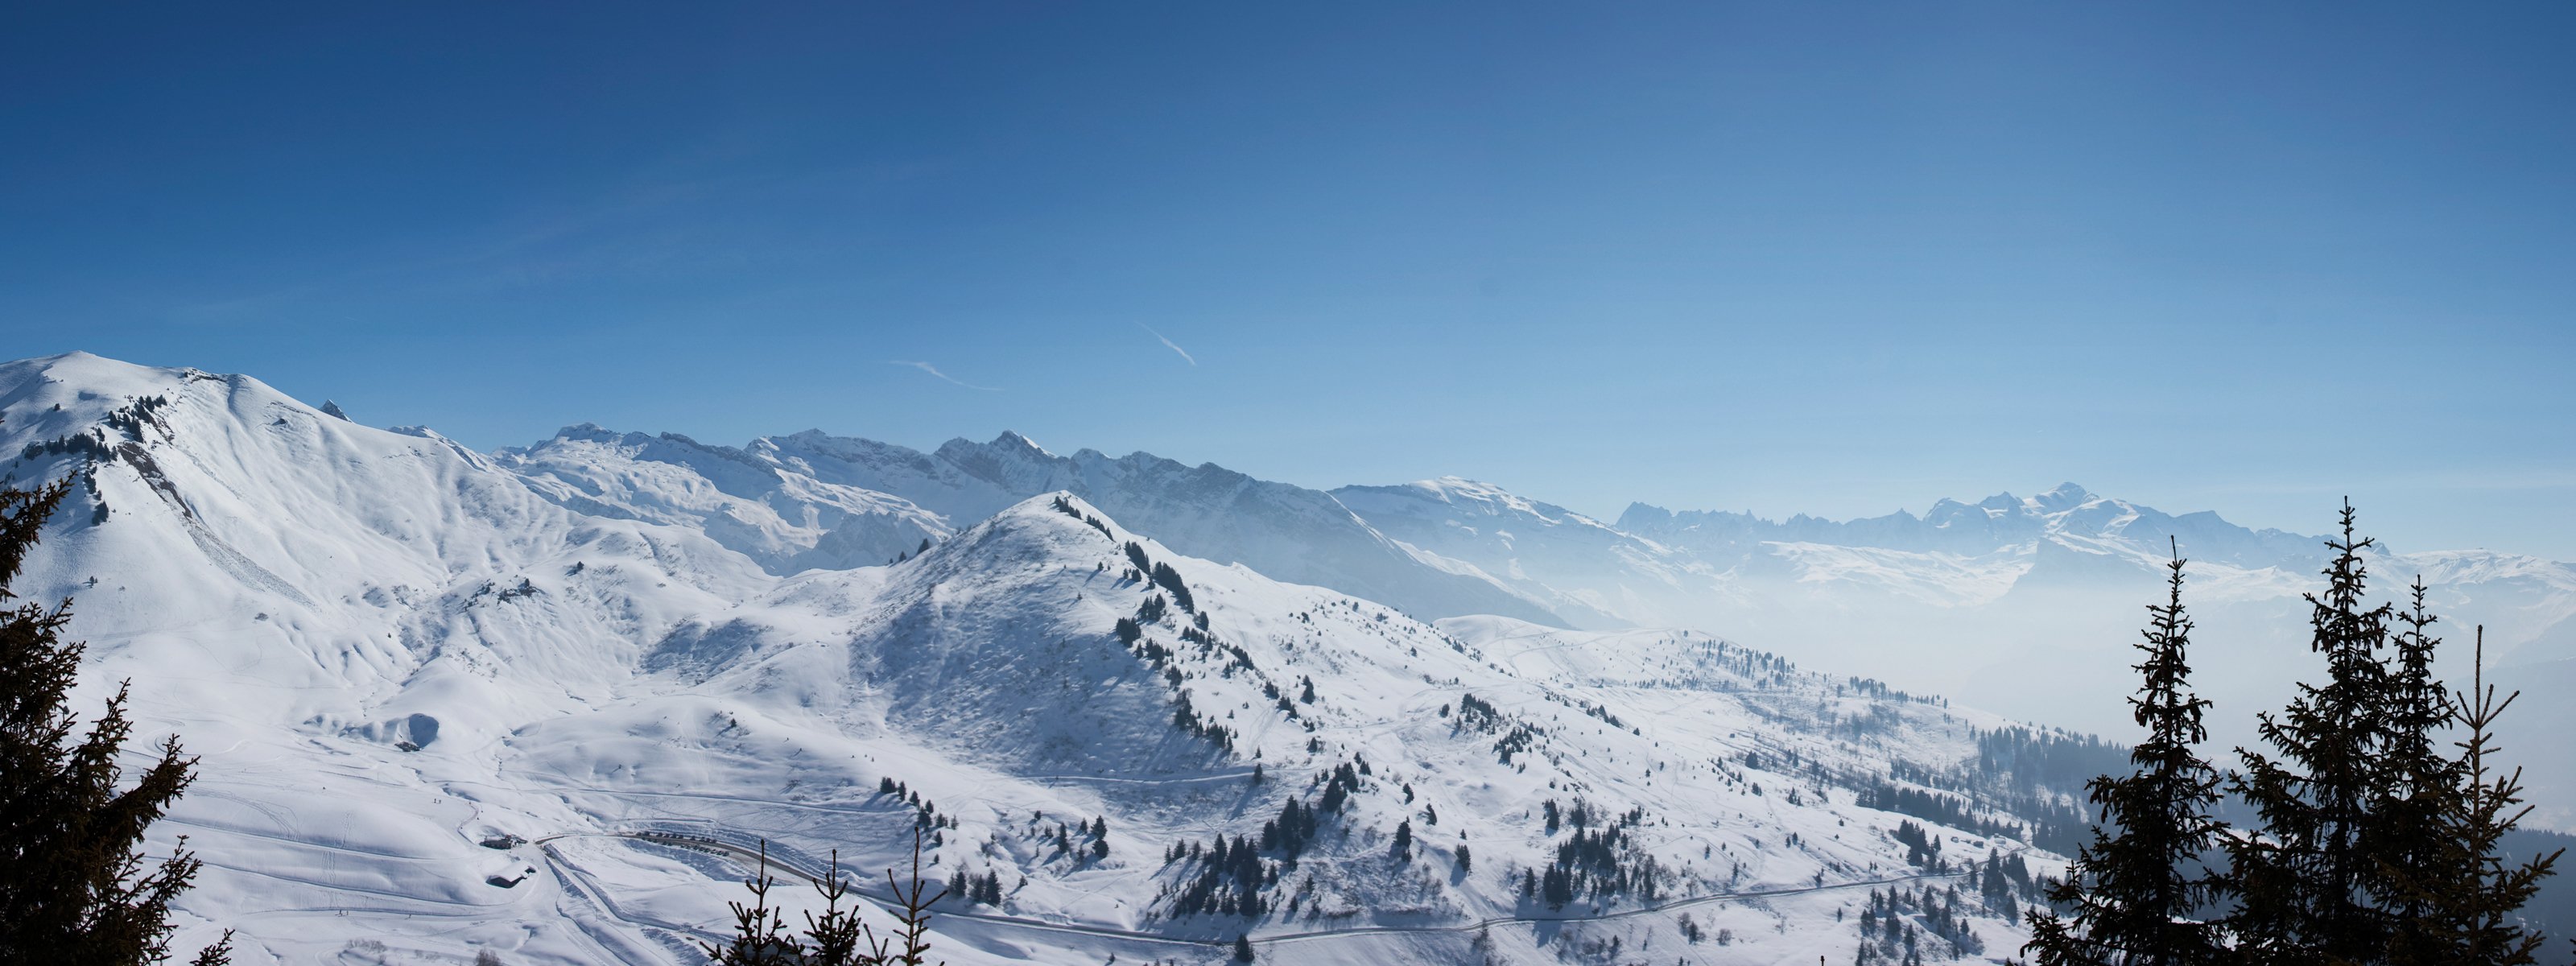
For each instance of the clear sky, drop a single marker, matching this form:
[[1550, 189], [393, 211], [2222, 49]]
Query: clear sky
[[1783, 257]]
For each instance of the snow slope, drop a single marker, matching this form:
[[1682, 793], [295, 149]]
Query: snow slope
[[539, 702]]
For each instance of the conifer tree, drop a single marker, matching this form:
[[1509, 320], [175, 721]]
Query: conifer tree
[[2302, 884], [838, 937], [73, 884], [2132, 893], [2467, 895], [760, 933], [2407, 836]]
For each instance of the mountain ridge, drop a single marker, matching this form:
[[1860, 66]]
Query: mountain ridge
[[439, 708]]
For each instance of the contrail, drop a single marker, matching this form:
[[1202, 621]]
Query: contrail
[[1169, 344], [934, 370]]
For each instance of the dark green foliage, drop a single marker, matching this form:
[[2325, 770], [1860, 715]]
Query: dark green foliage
[[2409, 838], [1289, 833], [1917, 921], [2370, 844], [1477, 714], [2020, 771], [2132, 894], [1601, 863], [2464, 892], [1136, 555], [985, 889], [74, 888], [1231, 875], [1938, 807], [1064, 505], [88, 445], [837, 937], [2040, 758], [132, 417], [1187, 718], [1921, 849], [2302, 885], [1170, 579], [1338, 786], [1242, 948]]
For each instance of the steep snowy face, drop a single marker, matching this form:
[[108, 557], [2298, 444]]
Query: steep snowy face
[[343, 623], [339, 566]]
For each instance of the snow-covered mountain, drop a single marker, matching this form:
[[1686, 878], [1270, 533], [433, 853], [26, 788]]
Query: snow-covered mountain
[[542, 700], [1981, 600], [810, 499], [785, 522]]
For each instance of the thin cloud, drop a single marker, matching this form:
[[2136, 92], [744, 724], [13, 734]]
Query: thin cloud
[[934, 370], [1169, 344]]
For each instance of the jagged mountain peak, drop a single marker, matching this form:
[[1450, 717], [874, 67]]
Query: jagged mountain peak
[[2061, 496]]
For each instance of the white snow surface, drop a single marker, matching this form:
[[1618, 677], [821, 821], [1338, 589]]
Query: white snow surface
[[391, 650]]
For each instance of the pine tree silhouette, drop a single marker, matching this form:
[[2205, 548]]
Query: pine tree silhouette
[[836, 938], [2301, 885], [2132, 892], [2419, 784], [2465, 897], [73, 886], [2373, 845]]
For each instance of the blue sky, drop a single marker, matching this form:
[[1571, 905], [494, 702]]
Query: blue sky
[[1782, 257]]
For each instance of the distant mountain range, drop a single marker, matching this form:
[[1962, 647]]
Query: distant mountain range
[[1969, 599], [1450, 547], [1975, 600]]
